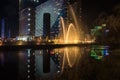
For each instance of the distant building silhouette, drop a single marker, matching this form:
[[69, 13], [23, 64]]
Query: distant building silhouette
[[5, 31], [3, 28]]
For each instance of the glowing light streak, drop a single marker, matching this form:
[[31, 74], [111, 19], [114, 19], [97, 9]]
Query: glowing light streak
[[71, 55], [73, 37], [70, 34]]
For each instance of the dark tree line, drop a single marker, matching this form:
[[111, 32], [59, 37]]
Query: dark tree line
[[112, 21]]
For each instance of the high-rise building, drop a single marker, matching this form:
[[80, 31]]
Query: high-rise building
[[31, 15], [27, 22], [54, 7], [27, 17]]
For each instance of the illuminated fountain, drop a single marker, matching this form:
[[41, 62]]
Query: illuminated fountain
[[70, 32], [70, 56]]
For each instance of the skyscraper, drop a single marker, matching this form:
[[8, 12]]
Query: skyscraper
[[54, 7], [27, 22], [27, 17]]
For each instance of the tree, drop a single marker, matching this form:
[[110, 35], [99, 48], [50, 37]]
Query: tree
[[112, 21]]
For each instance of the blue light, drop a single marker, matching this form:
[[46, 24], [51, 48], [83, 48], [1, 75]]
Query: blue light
[[3, 29]]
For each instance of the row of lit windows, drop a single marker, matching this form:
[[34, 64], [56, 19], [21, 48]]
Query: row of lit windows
[[29, 14], [28, 19], [35, 0]]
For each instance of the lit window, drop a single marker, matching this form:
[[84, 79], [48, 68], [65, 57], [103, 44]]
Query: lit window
[[28, 19], [28, 60], [37, 0], [28, 29], [29, 9], [28, 76], [28, 65], [28, 71], [29, 14], [58, 13], [28, 24]]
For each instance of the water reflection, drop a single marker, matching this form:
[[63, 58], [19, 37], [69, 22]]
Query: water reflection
[[98, 52], [69, 63], [2, 59], [8, 65], [47, 63]]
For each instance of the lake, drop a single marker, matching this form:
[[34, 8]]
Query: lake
[[92, 62]]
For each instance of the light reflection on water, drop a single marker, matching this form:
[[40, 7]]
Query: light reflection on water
[[28, 64]]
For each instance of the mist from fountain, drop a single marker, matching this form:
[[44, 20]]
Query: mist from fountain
[[70, 32], [70, 56]]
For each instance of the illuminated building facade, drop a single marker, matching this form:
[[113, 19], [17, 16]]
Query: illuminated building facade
[[27, 17], [35, 26], [27, 22], [31, 15], [54, 7]]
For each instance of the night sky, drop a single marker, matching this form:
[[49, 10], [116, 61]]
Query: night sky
[[8, 7], [9, 11], [90, 10]]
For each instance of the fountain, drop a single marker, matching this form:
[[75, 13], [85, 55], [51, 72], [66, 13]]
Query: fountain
[[70, 56], [70, 32]]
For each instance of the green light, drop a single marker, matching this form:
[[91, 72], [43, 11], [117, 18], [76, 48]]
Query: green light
[[93, 53], [98, 52], [98, 27]]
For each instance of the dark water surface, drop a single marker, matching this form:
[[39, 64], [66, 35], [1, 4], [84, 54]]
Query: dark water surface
[[91, 62]]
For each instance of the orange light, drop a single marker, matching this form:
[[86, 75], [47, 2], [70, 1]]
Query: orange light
[[1, 43]]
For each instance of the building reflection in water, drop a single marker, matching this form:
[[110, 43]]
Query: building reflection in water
[[8, 65], [46, 64]]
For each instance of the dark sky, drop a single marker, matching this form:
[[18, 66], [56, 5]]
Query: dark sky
[[9, 11], [90, 10], [8, 8]]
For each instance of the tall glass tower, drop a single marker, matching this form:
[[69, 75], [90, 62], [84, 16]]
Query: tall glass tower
[[27, 17], [54, 7]]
